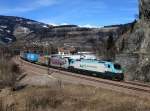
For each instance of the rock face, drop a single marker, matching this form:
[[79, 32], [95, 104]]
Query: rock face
[[137, 42], [144, 9]]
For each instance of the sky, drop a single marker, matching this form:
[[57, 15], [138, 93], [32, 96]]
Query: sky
[[88, 13]]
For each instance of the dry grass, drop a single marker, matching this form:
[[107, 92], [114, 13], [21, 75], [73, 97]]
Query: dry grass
[[73, 98], [6, 107], [8, 72]]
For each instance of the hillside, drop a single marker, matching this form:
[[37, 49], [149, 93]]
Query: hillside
[[9, 25], [30, 31]]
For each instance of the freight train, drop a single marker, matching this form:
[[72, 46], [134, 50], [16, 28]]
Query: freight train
[[93, 67]]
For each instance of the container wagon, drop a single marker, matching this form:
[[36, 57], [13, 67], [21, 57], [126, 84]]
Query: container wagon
[[32, 57]]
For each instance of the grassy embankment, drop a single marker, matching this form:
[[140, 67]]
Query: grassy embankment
[[71, 98]]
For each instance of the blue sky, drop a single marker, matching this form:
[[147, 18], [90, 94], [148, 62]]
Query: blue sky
[[91, 13]]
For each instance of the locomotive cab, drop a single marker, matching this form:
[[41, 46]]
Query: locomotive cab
[[118, 71], [114, 71]]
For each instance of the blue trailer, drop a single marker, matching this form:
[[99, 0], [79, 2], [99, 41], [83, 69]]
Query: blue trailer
[[32, 57]]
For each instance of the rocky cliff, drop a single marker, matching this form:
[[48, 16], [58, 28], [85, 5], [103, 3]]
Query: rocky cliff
[[144, 9], [134, 46]]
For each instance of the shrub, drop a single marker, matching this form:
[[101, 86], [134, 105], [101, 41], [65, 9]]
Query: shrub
[[9, 72], [43, 99], [4, 107]]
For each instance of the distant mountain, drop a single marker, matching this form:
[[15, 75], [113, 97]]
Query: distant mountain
[[30, 32], [11, 24]]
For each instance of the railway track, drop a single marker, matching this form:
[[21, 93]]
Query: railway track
[[134, 87], [137, 83]]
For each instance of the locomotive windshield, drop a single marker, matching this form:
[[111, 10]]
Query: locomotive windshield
[[117, 66]]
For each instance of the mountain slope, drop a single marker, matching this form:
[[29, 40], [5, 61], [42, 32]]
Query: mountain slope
[[30, 32], [9, 25]]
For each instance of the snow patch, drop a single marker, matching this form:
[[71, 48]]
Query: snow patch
[[29, 23], [1, 30], [3, 26], [8, 31], [45, 26], [10, 39]]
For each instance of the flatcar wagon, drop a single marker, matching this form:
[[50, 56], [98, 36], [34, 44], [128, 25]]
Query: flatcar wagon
[[43, 60]]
